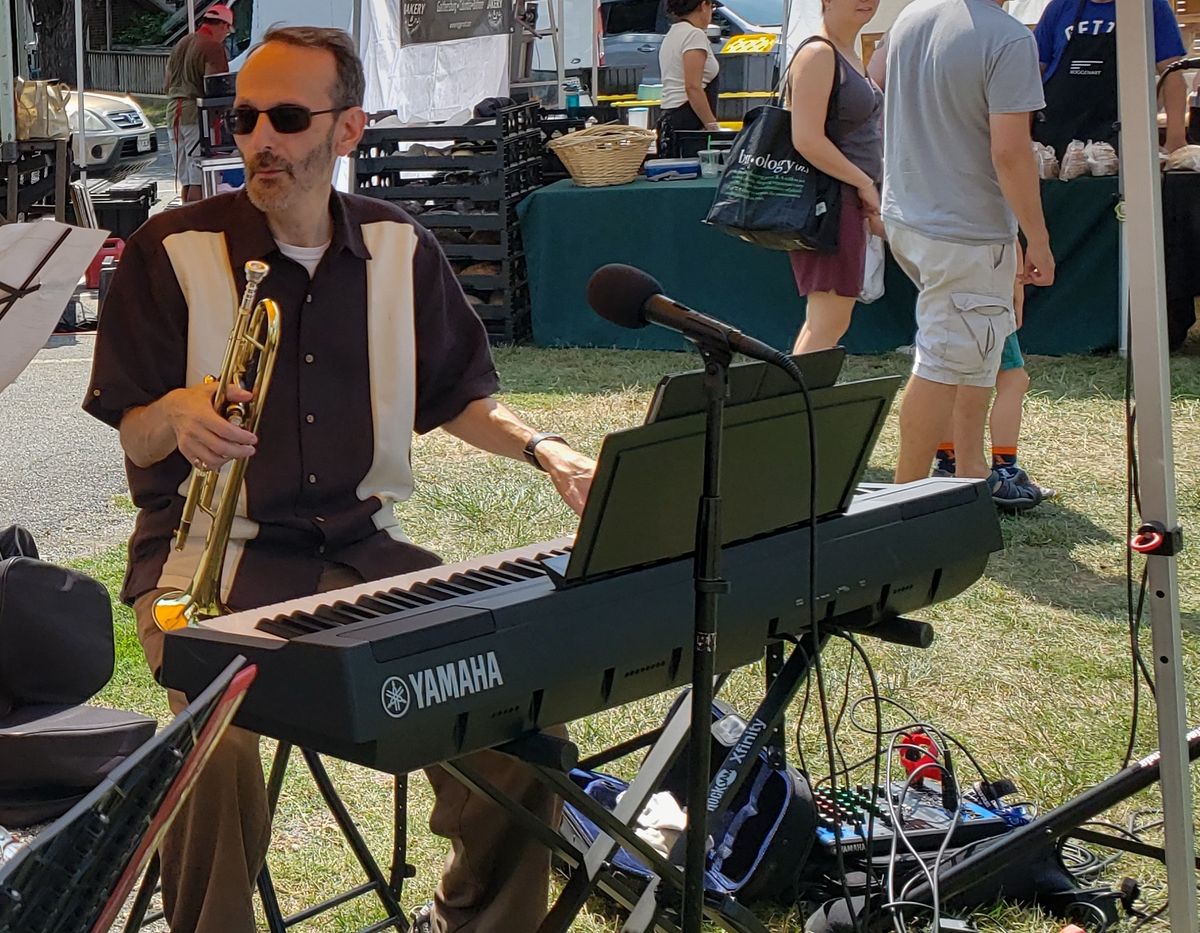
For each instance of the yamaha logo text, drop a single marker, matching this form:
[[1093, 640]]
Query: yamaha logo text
[[435, 685]]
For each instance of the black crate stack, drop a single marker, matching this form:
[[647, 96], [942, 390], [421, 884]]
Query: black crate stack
[[467, 195]]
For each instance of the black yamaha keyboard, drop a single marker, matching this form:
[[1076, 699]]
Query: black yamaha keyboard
[[406, 672]]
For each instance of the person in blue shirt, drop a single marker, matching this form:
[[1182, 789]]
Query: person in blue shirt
[[1077, 48]]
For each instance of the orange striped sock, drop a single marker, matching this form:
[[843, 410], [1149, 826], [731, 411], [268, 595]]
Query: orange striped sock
[[1004, 456]]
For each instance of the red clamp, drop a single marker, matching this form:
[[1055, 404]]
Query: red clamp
[[1153, 538], [919, 752]]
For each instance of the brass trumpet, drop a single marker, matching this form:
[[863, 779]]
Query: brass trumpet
[[253, 343]]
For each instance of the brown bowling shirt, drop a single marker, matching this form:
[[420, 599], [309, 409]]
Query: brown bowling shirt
[[379, 343]]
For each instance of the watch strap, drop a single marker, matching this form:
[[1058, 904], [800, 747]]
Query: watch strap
[[531, 448]]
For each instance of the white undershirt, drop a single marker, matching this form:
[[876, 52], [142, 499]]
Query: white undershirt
[[307, 256]]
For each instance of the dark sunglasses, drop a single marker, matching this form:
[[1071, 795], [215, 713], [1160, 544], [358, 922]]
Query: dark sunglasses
[[285, 118]]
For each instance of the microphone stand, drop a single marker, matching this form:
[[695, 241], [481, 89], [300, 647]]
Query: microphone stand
[[708, 586]]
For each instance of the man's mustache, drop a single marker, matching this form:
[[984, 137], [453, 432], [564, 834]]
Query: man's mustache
[[268, 164]]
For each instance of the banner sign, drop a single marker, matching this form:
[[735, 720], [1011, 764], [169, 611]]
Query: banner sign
[[439, 20]]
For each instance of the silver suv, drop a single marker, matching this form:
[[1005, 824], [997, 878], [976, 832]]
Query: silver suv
[[118, 134]]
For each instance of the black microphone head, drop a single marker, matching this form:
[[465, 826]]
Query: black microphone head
[[618, 293]]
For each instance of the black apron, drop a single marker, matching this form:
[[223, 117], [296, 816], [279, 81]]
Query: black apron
[[684, 118], [1081, 95]]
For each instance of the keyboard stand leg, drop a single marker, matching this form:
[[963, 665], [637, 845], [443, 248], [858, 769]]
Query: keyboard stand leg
[[760, 730], [276, 923], [386, 890], [401, 870], [362, 852], [660, 757], [611, 886]]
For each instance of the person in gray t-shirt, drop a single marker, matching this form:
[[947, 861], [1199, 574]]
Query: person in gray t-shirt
[[959, 177]]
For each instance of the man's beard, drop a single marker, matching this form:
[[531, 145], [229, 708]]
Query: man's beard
[[278, 194]]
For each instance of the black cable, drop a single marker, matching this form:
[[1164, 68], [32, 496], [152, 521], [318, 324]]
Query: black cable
[[814, 629], [1133, 501], [916, 722], [837, 723], [875, 788], [803, 710]]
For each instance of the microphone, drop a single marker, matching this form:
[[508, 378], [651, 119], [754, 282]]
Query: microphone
[[629, 297]]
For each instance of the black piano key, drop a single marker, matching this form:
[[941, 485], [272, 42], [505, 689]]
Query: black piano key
[[523, 568], [329, 616], [356, 613], [338, 615], [292, 625], [410, 597], [498, 577], [280, 628], [438, 590], [387, 603], [469, 580], [375, 605]]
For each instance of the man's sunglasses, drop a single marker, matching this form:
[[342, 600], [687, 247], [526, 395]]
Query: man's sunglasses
[[285, 118]]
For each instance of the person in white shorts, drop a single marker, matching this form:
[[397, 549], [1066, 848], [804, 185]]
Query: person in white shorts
[[198, 54], [959, 176]]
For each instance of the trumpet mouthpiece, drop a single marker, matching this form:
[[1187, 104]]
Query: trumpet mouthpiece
[[256, 271]]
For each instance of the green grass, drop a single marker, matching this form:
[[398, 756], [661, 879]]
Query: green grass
[[1030, 666]]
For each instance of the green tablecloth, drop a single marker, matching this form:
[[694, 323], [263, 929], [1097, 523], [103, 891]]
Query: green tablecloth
[[569, 232]]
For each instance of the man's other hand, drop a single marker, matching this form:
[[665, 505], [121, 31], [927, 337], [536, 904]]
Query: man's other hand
[[1039, 264], [570, 471]]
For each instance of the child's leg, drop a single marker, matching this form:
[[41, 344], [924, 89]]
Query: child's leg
[[1005, 421]]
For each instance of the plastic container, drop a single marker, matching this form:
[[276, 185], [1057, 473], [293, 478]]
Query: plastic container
[[114, 247], [622, 80], [747, 71], [571, 91], [671, 169], [649, 92]]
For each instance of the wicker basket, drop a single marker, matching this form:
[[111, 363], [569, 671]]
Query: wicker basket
[[604, 155]]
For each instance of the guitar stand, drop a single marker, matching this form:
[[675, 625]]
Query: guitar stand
[[655, 906], [386, 888]]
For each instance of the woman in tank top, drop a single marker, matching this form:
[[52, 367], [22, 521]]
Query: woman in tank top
[[849, 147]]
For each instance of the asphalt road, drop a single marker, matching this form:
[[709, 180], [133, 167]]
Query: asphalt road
[[62, 473]]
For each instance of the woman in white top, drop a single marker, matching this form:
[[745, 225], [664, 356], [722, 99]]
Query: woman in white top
[[689, 72]]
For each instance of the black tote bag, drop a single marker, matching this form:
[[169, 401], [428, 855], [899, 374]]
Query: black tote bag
[[769, 194]]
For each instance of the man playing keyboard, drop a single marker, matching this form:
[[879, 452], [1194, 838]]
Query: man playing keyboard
[[378, 341]]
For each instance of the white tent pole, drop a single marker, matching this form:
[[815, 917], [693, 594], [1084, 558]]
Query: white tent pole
[[191, 8], [1151, 377], [560, 47], [81, 133], [356, 25], [594, 29]]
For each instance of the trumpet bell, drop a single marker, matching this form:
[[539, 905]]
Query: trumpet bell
[[174, 610]]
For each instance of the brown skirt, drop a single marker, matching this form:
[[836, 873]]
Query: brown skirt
[[840, 272]]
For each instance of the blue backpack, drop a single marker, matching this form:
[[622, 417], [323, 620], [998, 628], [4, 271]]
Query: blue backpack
[[770, 828]]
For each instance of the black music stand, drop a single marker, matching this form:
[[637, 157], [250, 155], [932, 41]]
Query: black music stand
[[76, 873], [633, 519]]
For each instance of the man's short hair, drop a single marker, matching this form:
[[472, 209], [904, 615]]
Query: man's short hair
[[349, 85]]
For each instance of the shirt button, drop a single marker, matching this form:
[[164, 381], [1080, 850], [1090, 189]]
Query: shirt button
[[321, 549], [96, 393], [308, 299], [312, 477], [308, 357], [310, 418], [319, 518]]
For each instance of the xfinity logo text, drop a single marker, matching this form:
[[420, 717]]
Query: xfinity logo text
[[435, 685]]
